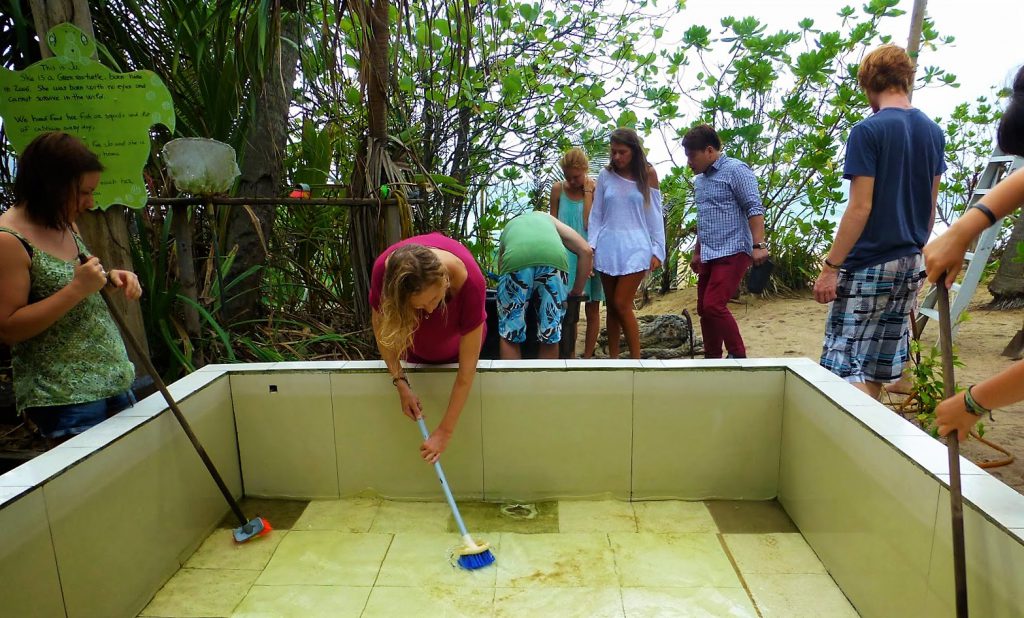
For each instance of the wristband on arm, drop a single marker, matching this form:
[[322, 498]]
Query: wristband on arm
[[983, 209], [973, 406]]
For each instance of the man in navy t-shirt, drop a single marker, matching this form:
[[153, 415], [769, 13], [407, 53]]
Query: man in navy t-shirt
[[894, 160]]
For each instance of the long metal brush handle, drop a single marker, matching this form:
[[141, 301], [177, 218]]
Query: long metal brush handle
[[956, 505], [444, 483]]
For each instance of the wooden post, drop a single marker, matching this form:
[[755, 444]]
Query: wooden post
[[392, 223], [914, 39], [183, 243]]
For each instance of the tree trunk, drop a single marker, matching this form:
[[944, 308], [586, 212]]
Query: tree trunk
[[1007, 287], [262, 172], [105, 233], [183, 245], [377, 79], [914, 39], [368, 171], [48, 13]]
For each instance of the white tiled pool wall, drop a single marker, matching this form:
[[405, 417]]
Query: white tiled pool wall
[[96, 526]]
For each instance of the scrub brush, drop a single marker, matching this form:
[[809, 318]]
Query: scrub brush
[[471, 555]]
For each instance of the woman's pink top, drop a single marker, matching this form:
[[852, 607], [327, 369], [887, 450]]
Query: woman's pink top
[[436, 340]]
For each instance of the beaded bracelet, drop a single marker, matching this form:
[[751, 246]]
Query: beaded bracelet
[[394, 381]]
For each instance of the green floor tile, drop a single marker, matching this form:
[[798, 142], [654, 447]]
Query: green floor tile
[[371, 557], [282, 514], [750, 516], [532, 518], [198, 593]]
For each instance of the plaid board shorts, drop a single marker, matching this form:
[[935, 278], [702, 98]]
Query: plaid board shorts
[[867, 331]]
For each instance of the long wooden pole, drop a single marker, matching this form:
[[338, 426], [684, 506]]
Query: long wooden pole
[[158, 381], [956, 503]]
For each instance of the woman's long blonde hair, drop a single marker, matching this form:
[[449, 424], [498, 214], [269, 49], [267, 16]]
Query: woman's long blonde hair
[[409, 270]]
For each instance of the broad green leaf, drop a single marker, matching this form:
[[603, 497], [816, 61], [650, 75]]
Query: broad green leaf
[[627, 119]]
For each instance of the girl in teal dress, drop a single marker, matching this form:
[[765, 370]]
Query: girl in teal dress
[[570, 204]]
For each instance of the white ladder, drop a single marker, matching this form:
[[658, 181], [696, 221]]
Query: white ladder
[[960, 294]]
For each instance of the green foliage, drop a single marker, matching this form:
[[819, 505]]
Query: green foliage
[[969, 131], [928, 385], [18, 49], [209, 54], [680, 217], [151, 253], [504, 86], [783, 102], [484, 96], [929, 389], [787, 168], [484, 243]]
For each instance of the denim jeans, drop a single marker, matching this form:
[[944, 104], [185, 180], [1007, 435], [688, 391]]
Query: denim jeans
[[72, 419]]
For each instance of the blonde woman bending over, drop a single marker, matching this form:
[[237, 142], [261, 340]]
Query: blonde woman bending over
[[427, 295]]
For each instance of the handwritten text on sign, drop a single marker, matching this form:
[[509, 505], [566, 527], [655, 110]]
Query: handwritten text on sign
[[111, 112]]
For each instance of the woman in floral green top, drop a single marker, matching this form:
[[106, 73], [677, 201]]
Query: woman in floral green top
[[71, 370]]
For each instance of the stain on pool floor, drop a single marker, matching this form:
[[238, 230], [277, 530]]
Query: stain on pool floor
[[368, 557]]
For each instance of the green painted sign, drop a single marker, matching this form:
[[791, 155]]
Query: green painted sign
[[111, 112]]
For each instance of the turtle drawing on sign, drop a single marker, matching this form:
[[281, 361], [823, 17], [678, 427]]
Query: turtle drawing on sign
[[111, 112]]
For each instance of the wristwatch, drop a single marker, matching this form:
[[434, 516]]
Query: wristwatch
[[759, 245]]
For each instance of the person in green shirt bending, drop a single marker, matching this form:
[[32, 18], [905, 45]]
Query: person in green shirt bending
[[532, 257]]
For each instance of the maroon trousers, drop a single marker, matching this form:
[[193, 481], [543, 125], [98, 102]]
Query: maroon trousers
[[717, 282]]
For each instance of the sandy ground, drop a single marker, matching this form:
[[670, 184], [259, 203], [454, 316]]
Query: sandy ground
[[794, 326]]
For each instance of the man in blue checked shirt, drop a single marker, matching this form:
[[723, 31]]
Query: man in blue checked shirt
[[730, 235]]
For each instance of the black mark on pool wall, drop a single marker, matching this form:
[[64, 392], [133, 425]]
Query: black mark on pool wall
[[273, 388]]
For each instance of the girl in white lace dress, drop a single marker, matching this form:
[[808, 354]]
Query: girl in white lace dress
[[627, 232]]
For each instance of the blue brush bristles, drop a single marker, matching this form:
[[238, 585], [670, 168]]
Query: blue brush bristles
[[476, 561]]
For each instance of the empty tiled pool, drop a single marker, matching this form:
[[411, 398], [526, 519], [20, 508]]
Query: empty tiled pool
[[371, 557], [678, 488]]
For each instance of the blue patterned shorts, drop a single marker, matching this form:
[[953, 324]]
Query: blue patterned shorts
[[867, 331], [514, 292]]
